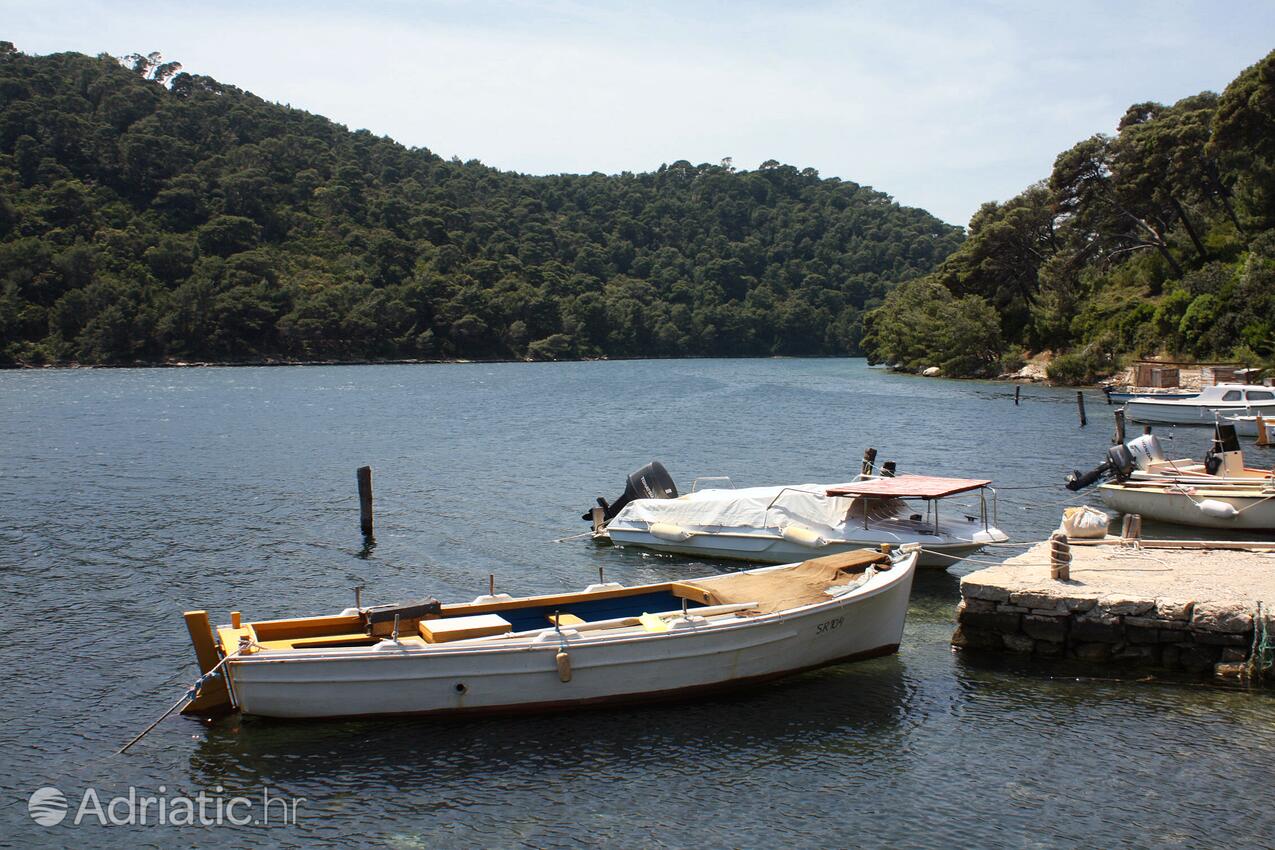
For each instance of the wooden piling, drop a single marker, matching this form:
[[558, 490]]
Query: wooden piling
[[1059, 557], [1131, 528], [1146, 430], [1080, 405], [869, 461], [1119, 437], [1018, 391], [598, 516], [1263, 439], [365, 499], [888, 469]]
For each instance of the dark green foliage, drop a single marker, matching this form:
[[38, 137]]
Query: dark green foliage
[[922, 324], [144, 221], [1155, 240], [1083, 367]]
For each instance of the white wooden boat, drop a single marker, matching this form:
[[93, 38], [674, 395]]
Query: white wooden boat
[[606, 644], [1235, 506], [777, 525], [1204, 408]]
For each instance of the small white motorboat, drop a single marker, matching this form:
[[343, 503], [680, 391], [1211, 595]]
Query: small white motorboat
[[605, 644], [777, 525], [1205, 407], [1221, 492], [1248, 508], [1261, 427], [1142, 460]]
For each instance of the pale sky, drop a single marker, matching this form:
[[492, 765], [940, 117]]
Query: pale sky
[[943, 106]]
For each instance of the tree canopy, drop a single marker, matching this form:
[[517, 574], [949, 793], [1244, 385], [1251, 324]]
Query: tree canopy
[[1158, 239], [150, 214]]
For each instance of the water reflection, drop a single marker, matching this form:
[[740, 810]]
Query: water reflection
[[845, 710]]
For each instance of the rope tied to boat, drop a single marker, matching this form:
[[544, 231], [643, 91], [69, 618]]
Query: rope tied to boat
[[1262, 654], [190, 695]]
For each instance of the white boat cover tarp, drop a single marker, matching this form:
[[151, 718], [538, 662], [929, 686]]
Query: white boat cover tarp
[[753, 508]]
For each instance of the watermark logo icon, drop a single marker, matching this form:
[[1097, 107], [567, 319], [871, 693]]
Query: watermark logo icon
[[47, 806]]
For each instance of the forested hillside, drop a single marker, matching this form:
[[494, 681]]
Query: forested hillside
[[148, 214], [1159, 239]]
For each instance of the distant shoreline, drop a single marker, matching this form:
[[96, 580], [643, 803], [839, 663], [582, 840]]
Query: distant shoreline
[[398, 361]]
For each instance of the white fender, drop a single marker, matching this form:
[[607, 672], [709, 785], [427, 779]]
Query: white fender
[[803, 536], [669, 531], [1217, 509]]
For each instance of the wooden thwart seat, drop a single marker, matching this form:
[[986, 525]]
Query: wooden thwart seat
[[565, 620]]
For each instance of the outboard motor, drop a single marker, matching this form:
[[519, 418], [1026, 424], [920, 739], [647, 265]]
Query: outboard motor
[[650, 482], [1145, 451], [1119, 464]]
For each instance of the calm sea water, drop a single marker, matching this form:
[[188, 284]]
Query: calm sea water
[[128, 496]]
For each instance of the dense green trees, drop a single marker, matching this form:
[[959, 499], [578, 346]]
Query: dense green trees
[[147, 214], [1157, 239]]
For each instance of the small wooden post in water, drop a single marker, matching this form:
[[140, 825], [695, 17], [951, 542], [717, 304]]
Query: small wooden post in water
[[888, 469], [365, 499], [1059, 556], [1146, 429], [598, 516], [1119, 438], [869, 461], [1018, 390], [1263, 439], [1080, 404]]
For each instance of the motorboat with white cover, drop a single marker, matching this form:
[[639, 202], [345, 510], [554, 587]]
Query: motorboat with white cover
[[605, 644], [787, 523], [1205, 407]]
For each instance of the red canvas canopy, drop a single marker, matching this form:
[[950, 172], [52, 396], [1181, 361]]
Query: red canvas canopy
[[909, 487]]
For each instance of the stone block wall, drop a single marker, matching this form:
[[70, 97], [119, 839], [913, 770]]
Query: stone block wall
[[1170, 634]]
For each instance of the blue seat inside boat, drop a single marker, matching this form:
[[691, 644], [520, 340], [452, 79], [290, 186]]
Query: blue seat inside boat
[[528, 619]]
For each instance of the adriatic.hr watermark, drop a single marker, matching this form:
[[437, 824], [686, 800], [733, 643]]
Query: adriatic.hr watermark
[[50, 807]]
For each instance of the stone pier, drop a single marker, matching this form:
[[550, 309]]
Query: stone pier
[[1182, 609]]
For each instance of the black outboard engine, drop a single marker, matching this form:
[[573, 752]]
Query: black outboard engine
[[1120, 463], [650, 482]]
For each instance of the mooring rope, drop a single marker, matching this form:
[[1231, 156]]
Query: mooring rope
[[1262, 646], [189, 696]]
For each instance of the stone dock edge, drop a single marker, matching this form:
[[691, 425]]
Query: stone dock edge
[[1223, 639]]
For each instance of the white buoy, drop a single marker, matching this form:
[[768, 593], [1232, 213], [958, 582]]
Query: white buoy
[[1217, 509]]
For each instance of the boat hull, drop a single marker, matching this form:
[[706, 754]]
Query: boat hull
[[762, 549], [493, 678], [1246, 426], [1257, 512], [1186, 412]]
